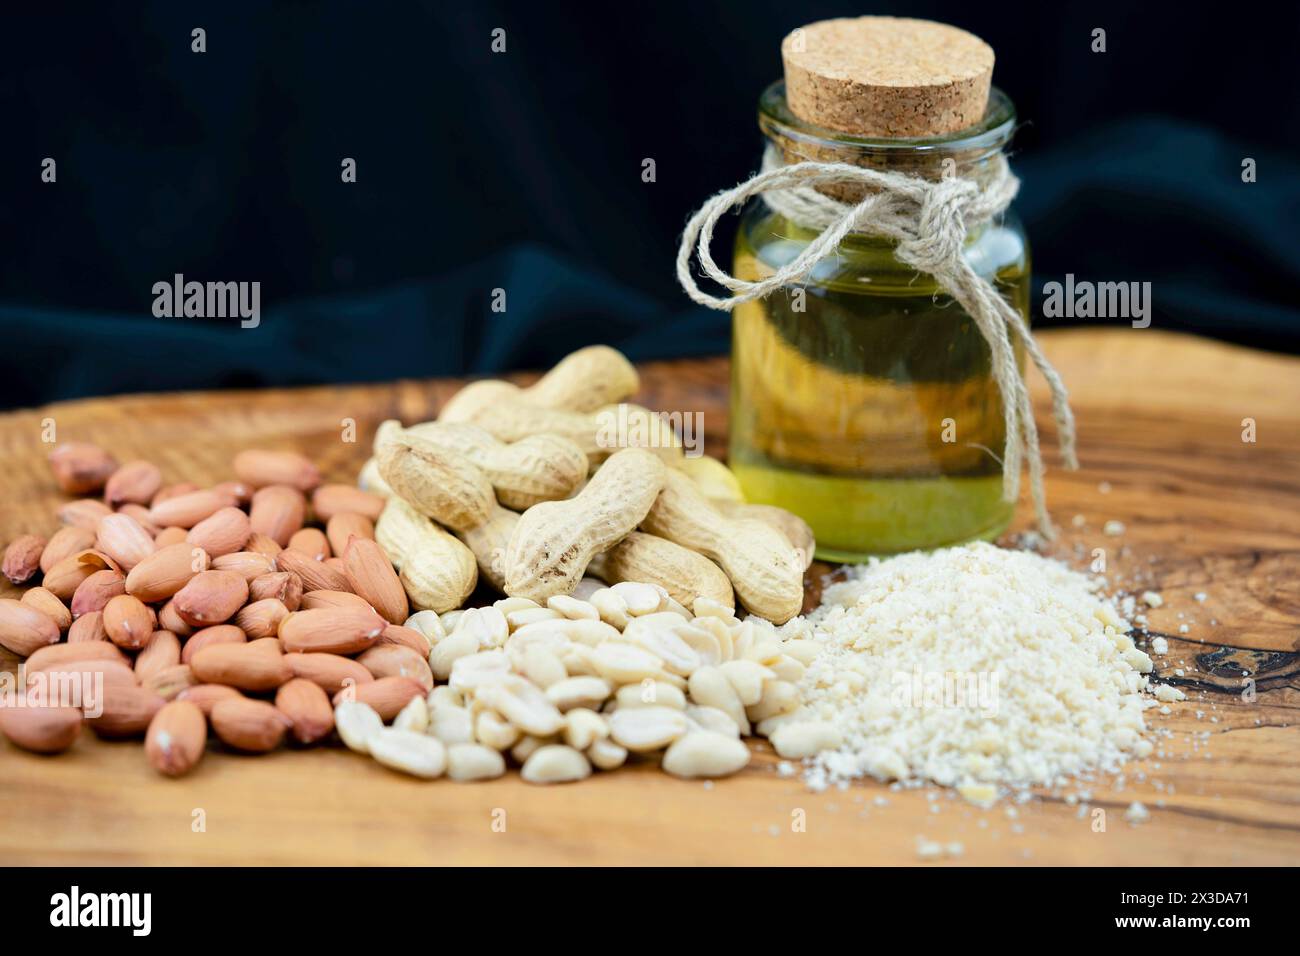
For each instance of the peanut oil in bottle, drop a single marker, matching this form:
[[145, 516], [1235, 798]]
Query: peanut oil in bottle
[[864, 401], [863, 398]]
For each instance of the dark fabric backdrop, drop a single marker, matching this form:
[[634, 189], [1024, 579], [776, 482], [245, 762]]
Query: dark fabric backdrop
[[522, 171]]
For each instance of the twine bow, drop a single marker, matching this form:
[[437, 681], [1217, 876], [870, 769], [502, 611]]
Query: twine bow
[[929, 222]]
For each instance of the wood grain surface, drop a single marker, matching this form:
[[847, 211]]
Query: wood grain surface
[[1160, 420]]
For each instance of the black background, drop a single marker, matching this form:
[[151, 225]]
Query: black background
[[522, 171], [277, 904]]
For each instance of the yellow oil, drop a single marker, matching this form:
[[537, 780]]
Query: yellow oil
[[864, 403]]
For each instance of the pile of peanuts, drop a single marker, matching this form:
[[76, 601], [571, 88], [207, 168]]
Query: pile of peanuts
[[274, 606], [585, 681]]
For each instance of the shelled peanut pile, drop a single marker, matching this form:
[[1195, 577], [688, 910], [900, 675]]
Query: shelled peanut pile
[[274, 606]]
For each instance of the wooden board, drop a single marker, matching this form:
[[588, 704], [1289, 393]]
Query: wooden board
[[1160, 419]]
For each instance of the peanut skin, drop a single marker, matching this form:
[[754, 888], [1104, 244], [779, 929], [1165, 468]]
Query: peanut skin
[[585, 380], [437, 571], [582, 381], [523, 473], [683, 573], [440, 484], [792, 526], [490, 542], [766, 570], [555, 541], [449, 488], [511, 418]]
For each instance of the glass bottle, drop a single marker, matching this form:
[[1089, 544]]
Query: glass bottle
[[863, 400]]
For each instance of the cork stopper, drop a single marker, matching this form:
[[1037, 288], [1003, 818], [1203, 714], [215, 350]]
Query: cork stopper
[[887, 76]]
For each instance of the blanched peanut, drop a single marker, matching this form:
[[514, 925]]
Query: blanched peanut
[[427, 623], [805, 652], [542, 667], [572, 608], [763, 650], [710, 688], [588, 633], [638, 598], [491, 730], [746, 678], [523, 704], [650, 693], [413, 717], [532, 615], [444, 696], [805, 738], [574, 692], [711, 719], [743, 639], [786, 668], [607, 755], [555, 763], [417, 754], [770, 725], [723, 634], [487, 624], [610, 606], [707, 645], [527, 746], [509, 605], [357, 723], [583, 727], [681, 646], [673, 606], [672, 679], [576, 659], [623, 663], [705, 754], [449, 650], [522, 643], [643, 729], [468, 761], [474, 670], [779, 697], [452, 725], [707, 607]]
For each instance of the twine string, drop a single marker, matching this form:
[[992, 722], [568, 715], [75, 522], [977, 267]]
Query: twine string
[[929, 222]]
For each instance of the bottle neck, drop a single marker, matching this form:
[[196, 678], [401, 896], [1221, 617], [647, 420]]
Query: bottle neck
[[969, 153]]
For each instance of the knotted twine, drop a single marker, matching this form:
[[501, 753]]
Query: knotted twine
[[929, 222]]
